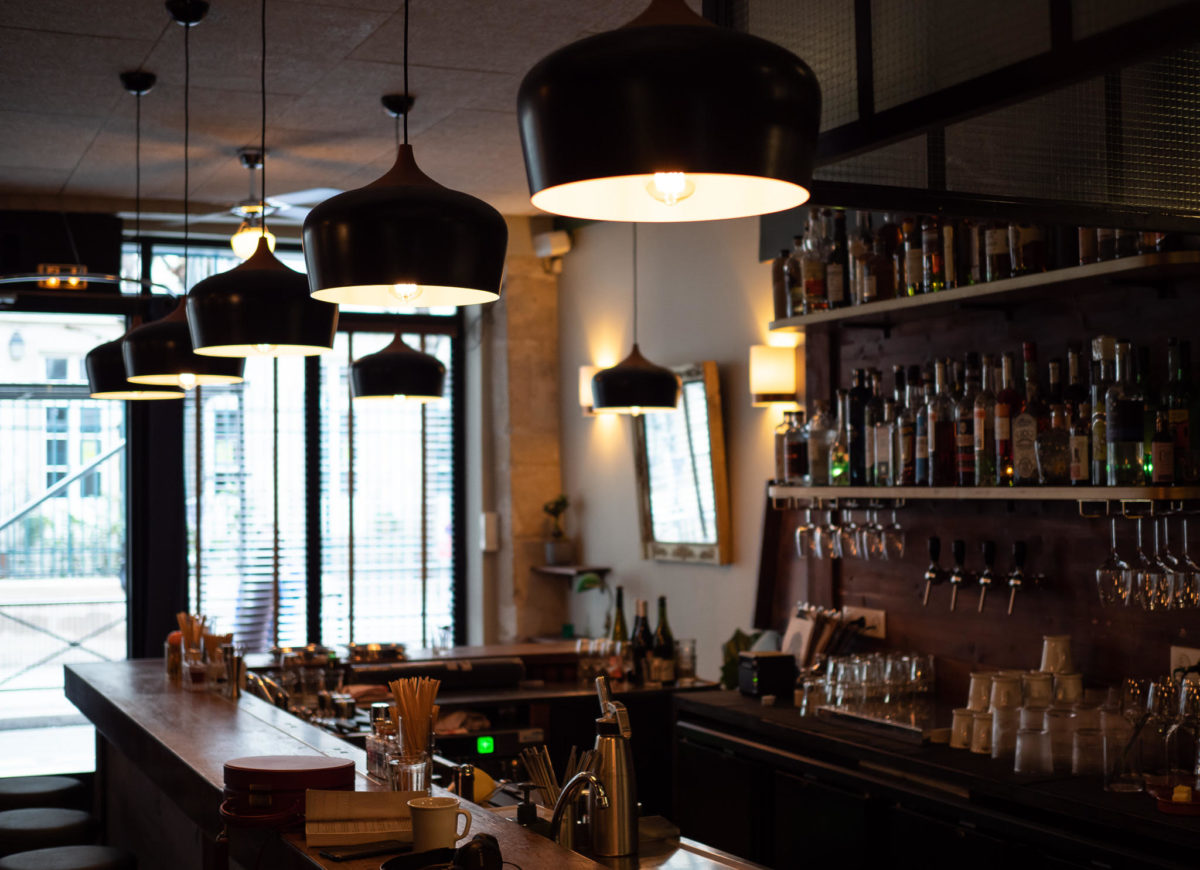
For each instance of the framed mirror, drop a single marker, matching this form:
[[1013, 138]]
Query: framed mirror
[[683, 486]]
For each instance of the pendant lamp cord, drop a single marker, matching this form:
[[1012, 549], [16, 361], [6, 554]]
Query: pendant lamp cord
[[187, 86], [137, 182], [407, 103], [635, 271], [262, 130]]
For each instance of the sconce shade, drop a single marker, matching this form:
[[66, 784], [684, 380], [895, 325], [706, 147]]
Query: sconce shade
[[160, 353], [259, 308], [586, 373], [105, 366], [669, 118], [772, 375], [635, 386], [398, 372], [404, 239]]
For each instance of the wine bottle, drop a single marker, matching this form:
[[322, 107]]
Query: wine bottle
[[619, 631], [642, 641], [662, 654]]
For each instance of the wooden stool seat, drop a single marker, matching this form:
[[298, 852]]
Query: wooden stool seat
[[19, 792], [42, 827], [70, 858]]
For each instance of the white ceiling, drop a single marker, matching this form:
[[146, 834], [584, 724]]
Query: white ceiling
[[67, 125]]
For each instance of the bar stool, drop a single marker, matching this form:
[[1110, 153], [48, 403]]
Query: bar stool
[[19, 792], [43, 827], [70, 858]]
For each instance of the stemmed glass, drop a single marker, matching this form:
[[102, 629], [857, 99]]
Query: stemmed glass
[[1142, 576], [871, 538], [849, 537], [827, 542], [1111, 580], [1187, 594], [893, 540], [805, 536], [1164, 592]]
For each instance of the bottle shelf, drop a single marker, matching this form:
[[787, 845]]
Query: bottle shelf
[[1142, 268], [987, 493]]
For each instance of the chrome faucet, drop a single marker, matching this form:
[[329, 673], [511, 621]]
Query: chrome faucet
[[612, 798], [564, 808]]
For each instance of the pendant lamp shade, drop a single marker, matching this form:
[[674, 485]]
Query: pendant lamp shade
[[398, 372], [404, 239], [259, 308], [635, 386], [161, 353], [666, 119], [105, 366]]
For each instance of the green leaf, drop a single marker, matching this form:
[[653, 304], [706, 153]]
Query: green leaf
[[588, 580]]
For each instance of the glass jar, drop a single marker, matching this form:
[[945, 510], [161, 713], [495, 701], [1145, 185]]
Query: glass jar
[[820, 431], [195, 671]]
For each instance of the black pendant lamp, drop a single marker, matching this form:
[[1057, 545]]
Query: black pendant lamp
[[404, 239], [260, 307], [105, 364], [669, 118], [398, 372], [635, 385], [161, 352]]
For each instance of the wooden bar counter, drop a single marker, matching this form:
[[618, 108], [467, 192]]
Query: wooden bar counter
[[160, 753]]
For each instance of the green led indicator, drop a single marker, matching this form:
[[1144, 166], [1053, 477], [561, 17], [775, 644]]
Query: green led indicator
[[485, 745]]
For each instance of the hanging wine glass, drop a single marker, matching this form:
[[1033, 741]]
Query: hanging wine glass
[[805, 536], [1111, 581]]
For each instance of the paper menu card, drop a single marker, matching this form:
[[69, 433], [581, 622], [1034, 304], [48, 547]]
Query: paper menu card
[[344, 818]]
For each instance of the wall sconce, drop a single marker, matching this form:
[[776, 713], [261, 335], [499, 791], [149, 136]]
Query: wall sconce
[[773, 376], [585, 389]]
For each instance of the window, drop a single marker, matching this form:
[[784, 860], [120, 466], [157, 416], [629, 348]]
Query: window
[[387, 534], [62, 559]]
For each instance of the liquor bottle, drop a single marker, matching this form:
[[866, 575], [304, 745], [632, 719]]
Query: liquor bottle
[[1008, 403], [1124, 409], [795, 450], [1106, 243], [964, 423], [872, 414], [643, 642], [1150, 405], [1162, 452], [955, 254], [883, 444], [921, 439], [1033, 417], [839, 449], [1149, 241], [793, 277], [914, 265], [859, 395], [779, 289], [619, 630], [880, 280], [1075, 394], [933, 269], [812, 265], [1053, 449], [860, 248], [940, 428], [1103, 355], [1126, 242], [1054, 393], [977, 258], [1015, 251], [837, 273], [1178, 400], [1027, 244], [820, 432], [1079, 446], [906, 430], [998, 260], [984, 426], [662, 653], [780, 447], [1087, 246], [892, 235]]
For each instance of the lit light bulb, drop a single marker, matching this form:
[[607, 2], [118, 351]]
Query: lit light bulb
[[636, 410], [72, 282], [245, 241], [405, 292], [51, 282], [266, 348], [671, 187], [187, 380]]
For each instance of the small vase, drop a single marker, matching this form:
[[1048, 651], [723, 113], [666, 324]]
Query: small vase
[[560, 551]]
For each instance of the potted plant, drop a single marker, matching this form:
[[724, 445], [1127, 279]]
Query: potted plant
[[560, 550]]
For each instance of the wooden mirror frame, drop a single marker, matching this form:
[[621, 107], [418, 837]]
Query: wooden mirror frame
[[719, 553]]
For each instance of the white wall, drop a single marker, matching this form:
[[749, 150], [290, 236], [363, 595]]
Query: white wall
[[703, 295]]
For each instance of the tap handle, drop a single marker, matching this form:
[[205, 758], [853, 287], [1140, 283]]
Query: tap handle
[[935, 549], [959, 548], [604, 693], [989, 553], [1019, 551]]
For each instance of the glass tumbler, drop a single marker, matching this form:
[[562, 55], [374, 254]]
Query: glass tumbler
[[1087, 756], [685, 661], [961, 727], [1032, 752]]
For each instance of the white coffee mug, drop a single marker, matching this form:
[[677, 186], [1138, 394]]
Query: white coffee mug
[[435, 823], [1056, 654]]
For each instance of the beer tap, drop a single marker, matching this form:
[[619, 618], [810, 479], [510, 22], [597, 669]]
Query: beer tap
[[959, 575], [934, 575], [1016, 577], [986, 577]]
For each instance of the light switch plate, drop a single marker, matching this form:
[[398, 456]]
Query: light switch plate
[[1184, 656], [876, 620]]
